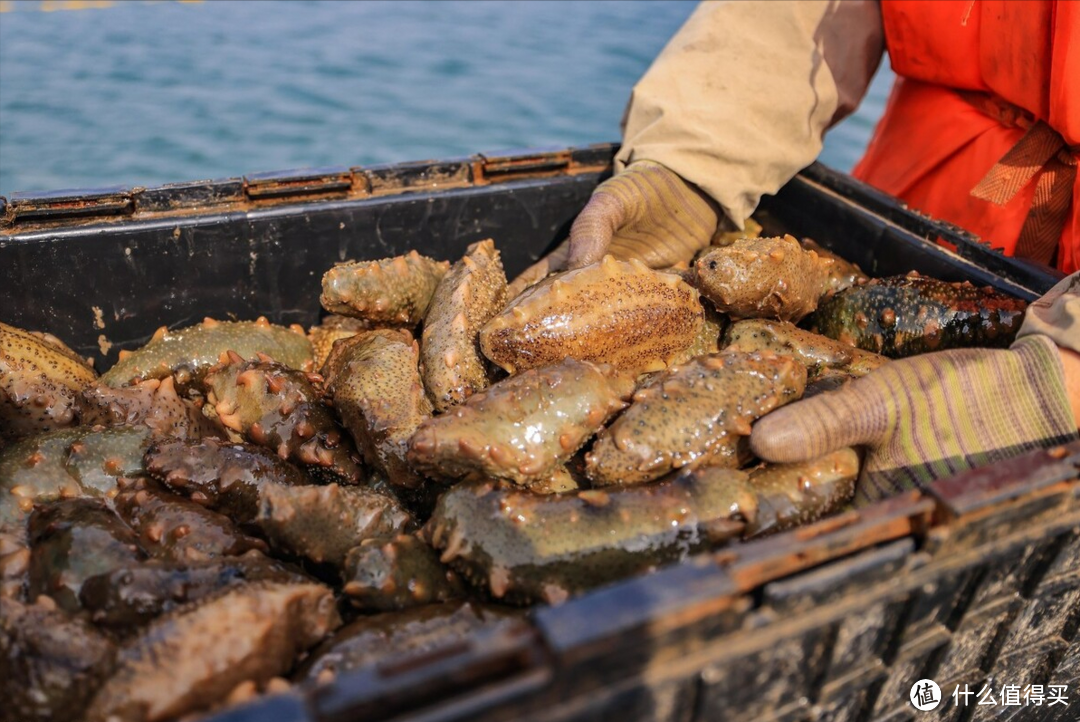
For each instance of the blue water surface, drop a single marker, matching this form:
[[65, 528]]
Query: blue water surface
[[145, 93]]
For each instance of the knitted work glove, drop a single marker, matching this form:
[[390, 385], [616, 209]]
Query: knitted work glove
[[646, 212], [931, 416]]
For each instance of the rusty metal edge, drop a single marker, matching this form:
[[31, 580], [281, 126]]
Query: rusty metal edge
[[33, 211]]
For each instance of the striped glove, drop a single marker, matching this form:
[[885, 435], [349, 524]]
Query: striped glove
[[931, 416], [646, 212]]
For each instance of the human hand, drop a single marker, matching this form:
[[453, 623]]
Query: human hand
[[931, 416], [646, 212]]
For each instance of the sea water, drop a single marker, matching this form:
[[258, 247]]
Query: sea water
[[144, 93]]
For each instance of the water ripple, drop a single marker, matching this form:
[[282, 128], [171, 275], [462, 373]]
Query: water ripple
[[151, 93]]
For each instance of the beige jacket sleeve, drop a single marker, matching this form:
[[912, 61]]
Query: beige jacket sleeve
[[739, 99], [1057, 314]]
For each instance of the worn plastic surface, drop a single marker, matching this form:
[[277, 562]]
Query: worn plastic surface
[[978, 580]]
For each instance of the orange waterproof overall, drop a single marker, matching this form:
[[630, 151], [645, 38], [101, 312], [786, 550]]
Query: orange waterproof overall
[[983, 125]]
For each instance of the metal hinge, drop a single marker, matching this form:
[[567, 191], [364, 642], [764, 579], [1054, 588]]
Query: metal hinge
[[300, 182], [63, 204], [514, 165], [425, 175]]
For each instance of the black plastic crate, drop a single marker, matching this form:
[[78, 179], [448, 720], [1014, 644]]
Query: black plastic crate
[[977, 580]]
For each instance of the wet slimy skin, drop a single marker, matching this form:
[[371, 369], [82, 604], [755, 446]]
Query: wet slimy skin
[[751, 229], [84, 461], [193, 657], [130, 596], [693, 415], [391, 290], [384, 574], [153, 403], [277, 407], [466, 298], [842, 273], [816, 352], [254, 487], [322, 523], [524, 547], [791, 495], [374, 380], [332, 329], [616, 312], [372, 639], [72, 540], [221, 475], [40, 379], [173, 528], [188, 353], [522, 428], [51, 663], [902, 316], [706, 341], [828, 380], [763, 278], [560, 481]]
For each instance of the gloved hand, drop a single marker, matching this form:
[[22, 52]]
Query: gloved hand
[[927, 417], [645, 212]]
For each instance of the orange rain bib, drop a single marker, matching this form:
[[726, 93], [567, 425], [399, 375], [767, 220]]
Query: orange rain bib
[[983, 125]]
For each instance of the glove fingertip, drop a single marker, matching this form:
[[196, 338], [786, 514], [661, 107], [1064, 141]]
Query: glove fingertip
[[584, 251], [779, 438]]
